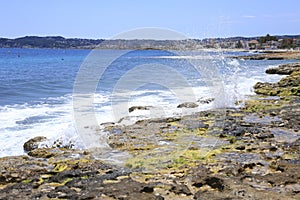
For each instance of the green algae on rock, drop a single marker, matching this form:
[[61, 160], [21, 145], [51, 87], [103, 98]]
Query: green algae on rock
[[287, 86]]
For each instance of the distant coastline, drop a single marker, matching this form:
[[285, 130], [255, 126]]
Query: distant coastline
[[284, 42]]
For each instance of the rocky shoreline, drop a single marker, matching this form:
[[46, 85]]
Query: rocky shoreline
[[247, 153], [272, 55]]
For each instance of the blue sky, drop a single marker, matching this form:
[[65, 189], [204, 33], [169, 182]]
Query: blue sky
[[106, 18]]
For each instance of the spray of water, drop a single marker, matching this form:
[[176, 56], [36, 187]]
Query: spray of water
[[200, 63]]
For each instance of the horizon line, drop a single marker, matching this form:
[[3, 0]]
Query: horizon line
[[44, 36]]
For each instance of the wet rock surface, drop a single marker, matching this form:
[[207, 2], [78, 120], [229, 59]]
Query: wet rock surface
[[287, 86], [247, 153], [133, 108], [285, 69], [33, 143], [187, 105]]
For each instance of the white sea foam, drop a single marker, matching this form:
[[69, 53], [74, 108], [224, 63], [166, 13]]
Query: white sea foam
[[22, 122]]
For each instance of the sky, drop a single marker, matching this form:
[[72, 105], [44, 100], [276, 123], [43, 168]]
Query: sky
[[106, 18]]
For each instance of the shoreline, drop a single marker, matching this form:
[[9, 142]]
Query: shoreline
[[251, 153], [272, 55], [258, 51]]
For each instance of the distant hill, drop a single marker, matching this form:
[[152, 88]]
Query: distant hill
[[48, 42], [77, 43]]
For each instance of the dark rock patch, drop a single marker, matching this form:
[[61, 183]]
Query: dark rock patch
[[187, 105], [133, 108], [33, 143], [285, 69]]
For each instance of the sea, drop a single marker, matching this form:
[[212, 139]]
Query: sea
[[52, 92]]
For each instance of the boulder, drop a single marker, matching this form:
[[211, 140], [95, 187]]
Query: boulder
[[187, 105], [133, 108], [33, 143]]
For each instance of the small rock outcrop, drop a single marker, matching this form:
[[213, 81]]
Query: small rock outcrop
[[33, 143], [287, 86], [133, 108], [285, 69], [187, 105], [287, 55]]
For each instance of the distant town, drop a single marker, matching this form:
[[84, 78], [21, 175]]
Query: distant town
[[268, 42]]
